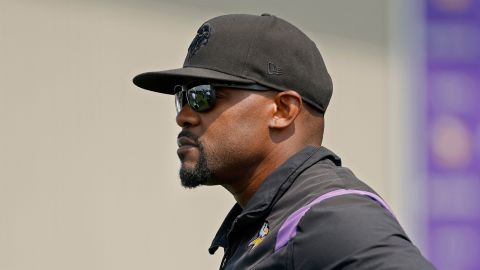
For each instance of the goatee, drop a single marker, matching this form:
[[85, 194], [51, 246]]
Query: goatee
[[198, 175]]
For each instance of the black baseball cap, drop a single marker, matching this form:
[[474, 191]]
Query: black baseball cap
[[250, 49]]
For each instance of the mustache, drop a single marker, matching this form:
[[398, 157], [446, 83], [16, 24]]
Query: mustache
[[188, 134]]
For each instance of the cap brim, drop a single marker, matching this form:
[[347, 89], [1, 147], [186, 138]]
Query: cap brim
[[164, 81]]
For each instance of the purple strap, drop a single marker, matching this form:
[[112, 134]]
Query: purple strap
[[288, 230]]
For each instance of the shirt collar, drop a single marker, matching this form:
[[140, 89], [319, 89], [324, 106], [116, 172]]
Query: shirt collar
[[272, 189]]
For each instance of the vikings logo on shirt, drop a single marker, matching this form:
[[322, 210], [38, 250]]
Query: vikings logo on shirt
[[260, 236]]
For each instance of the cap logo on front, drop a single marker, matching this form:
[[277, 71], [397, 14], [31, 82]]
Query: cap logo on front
[[200, 40]]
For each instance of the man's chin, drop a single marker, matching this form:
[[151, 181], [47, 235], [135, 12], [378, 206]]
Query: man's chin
[[194, 170], [192, 177]]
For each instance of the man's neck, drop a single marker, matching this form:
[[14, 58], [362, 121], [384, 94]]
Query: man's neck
[[243, 189]]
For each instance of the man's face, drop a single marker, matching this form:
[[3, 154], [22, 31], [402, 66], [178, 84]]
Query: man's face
[[225, 143]]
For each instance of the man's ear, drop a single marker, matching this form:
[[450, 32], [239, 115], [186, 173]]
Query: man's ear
[[288, 105]]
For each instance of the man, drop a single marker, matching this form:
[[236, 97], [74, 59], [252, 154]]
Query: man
[[251, 98]]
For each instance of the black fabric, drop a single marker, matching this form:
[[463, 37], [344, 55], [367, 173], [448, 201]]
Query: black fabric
[[246, 48], [345, 232]]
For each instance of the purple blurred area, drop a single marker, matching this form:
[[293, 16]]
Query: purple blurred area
[[452, 127]]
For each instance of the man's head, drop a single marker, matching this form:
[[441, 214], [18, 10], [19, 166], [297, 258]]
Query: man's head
[[252, 89]]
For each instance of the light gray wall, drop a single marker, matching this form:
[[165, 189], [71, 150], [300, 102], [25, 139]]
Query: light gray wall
[[88, 166]]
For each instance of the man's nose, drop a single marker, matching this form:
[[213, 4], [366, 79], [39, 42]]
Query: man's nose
[[187, 117]]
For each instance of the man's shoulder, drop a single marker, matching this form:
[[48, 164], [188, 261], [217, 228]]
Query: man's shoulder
[[353, 232], [339, 222]]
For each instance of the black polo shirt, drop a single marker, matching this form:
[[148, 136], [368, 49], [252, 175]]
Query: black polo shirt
[[311, 213]]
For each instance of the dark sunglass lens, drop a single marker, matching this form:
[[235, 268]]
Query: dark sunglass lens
[[201, 98]]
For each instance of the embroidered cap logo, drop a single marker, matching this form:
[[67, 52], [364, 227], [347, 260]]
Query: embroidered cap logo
[[200, 40]]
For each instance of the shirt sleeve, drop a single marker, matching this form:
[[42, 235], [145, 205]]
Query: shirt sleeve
[[353, 232]]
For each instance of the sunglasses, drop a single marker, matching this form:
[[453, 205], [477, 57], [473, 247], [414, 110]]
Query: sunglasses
[[202, 98]]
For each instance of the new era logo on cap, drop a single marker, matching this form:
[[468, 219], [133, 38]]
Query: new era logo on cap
[[274, 69]]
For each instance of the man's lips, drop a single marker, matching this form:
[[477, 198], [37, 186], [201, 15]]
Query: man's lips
[[185, 145], [186, 142]]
